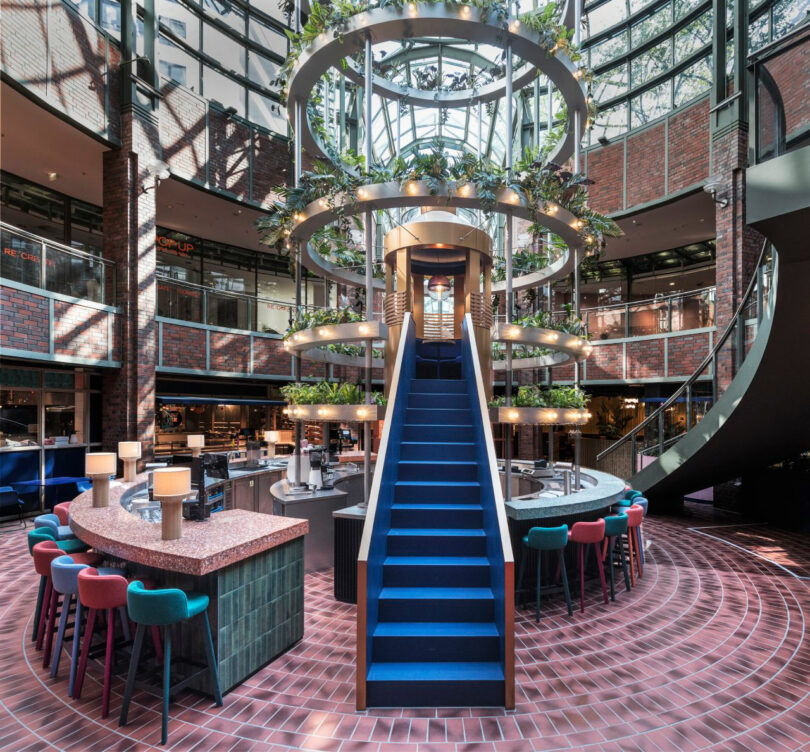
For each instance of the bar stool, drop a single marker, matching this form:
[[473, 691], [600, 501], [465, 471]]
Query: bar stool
[[52, 522], [44, 553], [65, 580], [635, 516], [545, 539], [585, 534], [631, 494], [163, 608], [615, 528], [62, 511]]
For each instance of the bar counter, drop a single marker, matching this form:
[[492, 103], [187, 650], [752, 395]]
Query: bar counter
[[251, 566]]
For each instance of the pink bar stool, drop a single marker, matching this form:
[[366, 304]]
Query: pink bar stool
[[586, 534], [635, 516], [107, 593], [62, 511], [44, 553]]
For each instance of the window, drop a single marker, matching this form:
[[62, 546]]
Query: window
[[605, 16], [610, 84], [262, 71], [268, 37], [176, 64], [693, 37], [224, 90], [611, 122], [19, 418], [227, 51], [609, 49], [651, 26], [267, 113], [21, 259], [650, 64], [693, 82], [650, 105]]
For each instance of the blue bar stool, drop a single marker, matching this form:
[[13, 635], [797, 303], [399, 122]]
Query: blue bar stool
[[545, 539], [615, 528], [641, 501], [162, 608], [51, 522], [65, 581]]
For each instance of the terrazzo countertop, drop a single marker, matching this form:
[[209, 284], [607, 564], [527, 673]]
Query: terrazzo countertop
[[226, 538]]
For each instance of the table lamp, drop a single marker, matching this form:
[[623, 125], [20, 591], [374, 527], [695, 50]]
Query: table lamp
[[196, 441], [130, 453], [100, 466], [170, 485], [272, 438]]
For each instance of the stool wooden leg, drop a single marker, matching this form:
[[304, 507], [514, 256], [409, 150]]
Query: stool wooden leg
[[610, 567], [630, 554], [581, 552], [601, 568], [523, 553], [89, 628], [43, 616], [122, 612], [566, 588], [624, 564], [212, 661], [133, 670], [46, 656], [167, 682], [537, 590], [38, 609], [639, 567], [108, 661], [60, 635], [74, 648]]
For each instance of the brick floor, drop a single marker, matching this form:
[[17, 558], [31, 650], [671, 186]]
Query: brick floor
[[709, 651]]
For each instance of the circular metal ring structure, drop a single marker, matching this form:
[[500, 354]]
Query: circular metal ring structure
[[421, 20], [376, 196], [567, 347], [540, 416], [308, 342]]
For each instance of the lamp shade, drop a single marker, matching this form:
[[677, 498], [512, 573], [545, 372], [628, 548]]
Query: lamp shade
[[171, 481], [195, 440], [129, 450], [272, 437], [99, 463], [438, 283]]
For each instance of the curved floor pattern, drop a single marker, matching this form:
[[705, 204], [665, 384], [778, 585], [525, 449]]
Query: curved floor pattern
[[710, 651]]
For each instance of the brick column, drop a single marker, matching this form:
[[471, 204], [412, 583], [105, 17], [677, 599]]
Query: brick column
[[738, 246], [129, 240]]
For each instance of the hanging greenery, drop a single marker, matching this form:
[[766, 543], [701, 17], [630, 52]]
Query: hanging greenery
[[328, 393], [537, 395]]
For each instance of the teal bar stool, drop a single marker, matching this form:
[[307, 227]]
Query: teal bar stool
[[615, 528], [545, 539], [163, 608]]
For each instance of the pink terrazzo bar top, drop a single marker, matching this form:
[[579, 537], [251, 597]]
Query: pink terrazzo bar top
[[228, 537]]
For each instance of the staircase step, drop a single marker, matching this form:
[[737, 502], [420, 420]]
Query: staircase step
[[436, 641], [437, 684], [442, 603], [444, 541], [439, 385], [439, 400], [436, 432], [437, 450], [437, 515], [438, 470], [436, 571], [423, 492], [449, 417]]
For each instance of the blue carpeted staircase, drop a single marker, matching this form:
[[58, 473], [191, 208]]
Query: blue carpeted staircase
[[435, 641]]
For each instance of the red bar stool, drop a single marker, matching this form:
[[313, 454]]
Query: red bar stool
[[107, 593], [635, 516], [62, 511], [44, 553], [586, 534]]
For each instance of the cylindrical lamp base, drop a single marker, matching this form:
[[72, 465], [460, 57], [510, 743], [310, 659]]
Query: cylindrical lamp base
[[195, 451], [101, 491], [171, 520], [129, 470]]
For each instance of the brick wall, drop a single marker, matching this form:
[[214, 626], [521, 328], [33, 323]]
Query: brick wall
[[80, 331], [686, 353], [183, 131], [791, 74], [61, 57], [24, 320], [645, 358], [606, 362], [183, 347], [229, 154], [230, 352], [270, 357], [649, 175]]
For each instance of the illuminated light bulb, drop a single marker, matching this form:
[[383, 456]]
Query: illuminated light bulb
[[579, 224], [513, 415], [412, 9], [363, 329], [325, 332], [552, 415], [285, 411], [323, 203], [514, 26], [321, 411], [412, 187], [297, 411], [514, 331], [465, 11], [362, 192], [578, 73], [589, 239], [587, 415], [362, 412], [552, 209], [464, 190], [553, 337]]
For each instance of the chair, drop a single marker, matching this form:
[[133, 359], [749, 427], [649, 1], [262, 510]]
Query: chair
[[586, 534], [44, 553], [65, 581], [163, 608], [52, 523], [545, 539], [62, 511], [635, 516], [632, 494], [615, 528], [644, 504], [103, 590], [9, 498]]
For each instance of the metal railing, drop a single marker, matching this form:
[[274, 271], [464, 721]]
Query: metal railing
[[653, 435], [779, 78], [32, 260]]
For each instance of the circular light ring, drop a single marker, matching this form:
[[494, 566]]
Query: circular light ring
[[337, 413], [331, 334], [542, 361], [376, 196], [395, 24], [340, 359], [540, 416], [576, 348]]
